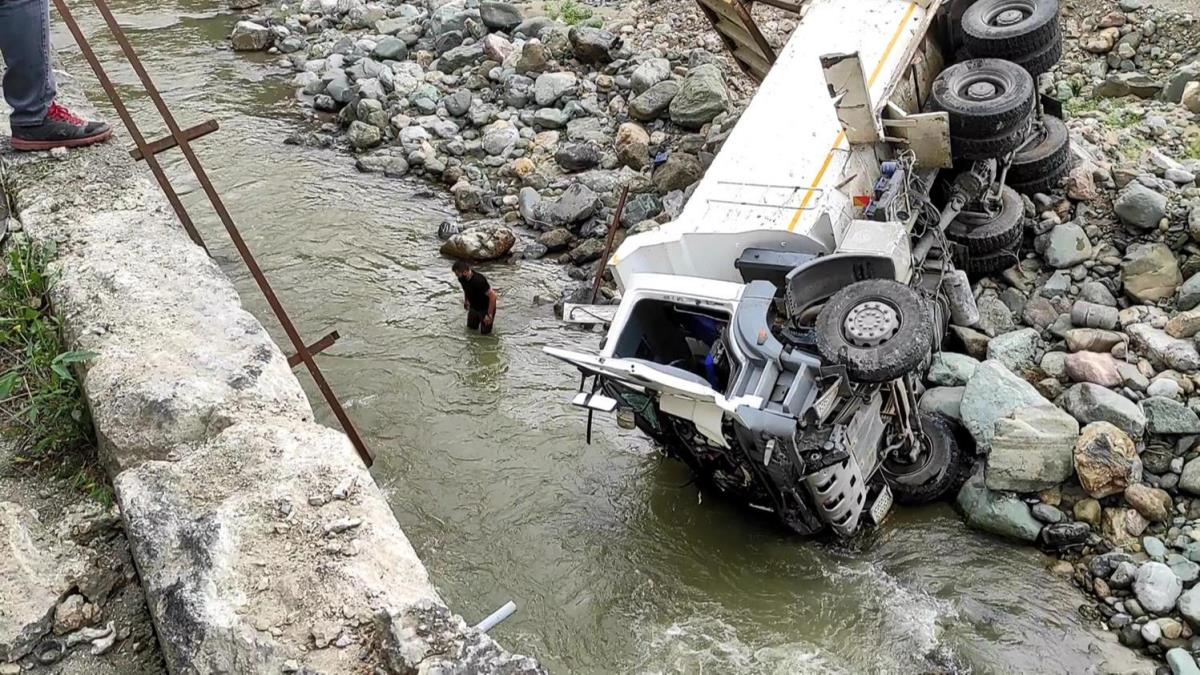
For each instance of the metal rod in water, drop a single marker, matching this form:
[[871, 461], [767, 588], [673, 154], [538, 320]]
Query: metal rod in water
[[496, 617]]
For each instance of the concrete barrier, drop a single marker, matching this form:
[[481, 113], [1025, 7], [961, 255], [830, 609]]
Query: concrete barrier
[[262, 542]]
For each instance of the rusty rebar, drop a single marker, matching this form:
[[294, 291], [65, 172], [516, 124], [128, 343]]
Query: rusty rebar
[[608, 242]]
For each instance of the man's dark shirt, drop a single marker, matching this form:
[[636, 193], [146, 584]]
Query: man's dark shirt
[[477, 288]]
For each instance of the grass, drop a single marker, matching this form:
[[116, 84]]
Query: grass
[[1192, 149], [571, 13], [41, 403]]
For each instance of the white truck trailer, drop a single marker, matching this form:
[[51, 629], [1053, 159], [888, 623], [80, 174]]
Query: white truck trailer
[[773, 336]]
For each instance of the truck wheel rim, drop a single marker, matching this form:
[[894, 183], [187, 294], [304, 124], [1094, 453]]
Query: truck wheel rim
[[871, 323], [1009, 14]]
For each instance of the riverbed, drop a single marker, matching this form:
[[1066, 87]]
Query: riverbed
[[617, 562]]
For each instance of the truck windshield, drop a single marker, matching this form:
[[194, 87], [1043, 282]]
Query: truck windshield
[[687, 338]]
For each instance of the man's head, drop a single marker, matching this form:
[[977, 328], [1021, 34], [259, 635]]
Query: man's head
[[462, 269]]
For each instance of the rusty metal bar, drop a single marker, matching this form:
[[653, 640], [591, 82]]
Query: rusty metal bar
[[608, 242], [163, 144], [315, 348], [134, 132], [181, 140]]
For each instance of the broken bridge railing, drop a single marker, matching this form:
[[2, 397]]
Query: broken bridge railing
[[182, 139]]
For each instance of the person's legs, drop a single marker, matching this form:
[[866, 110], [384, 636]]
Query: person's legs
[[486, 328], [29, 84], [474, 319]]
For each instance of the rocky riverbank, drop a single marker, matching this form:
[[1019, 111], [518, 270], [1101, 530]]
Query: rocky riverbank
[[1081, 383]]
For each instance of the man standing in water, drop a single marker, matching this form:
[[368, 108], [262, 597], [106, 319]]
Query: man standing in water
[[479, 299], [38, 121]]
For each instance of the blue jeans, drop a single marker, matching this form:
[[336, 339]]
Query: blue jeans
[[25, 42]]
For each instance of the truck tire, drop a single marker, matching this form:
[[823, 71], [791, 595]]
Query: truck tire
[[985, 264], [970, 149], [939, 471], [877, 329], [1043, 60], [982, 235], [985, 98], [1046, 159], [1010, 29]]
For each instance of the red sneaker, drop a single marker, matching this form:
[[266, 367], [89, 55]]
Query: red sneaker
[[60, 129]]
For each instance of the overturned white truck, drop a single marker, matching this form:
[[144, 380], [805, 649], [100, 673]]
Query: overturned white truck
[[773, 336]]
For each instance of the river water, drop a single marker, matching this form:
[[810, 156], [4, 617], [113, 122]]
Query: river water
[[616, 562]]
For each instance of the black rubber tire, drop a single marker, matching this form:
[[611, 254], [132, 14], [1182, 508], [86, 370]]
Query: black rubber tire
[[985, 264], [1043, 60], [983, 235], [939, 473], [1045, 185], [970, 149], [983, 36], [899, 354], [1046, 155], [999, 115]]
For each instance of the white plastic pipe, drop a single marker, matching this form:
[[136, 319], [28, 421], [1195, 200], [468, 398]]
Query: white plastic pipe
[[496, 617]]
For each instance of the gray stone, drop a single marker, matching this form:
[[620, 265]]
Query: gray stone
[[499, 16], [1139, 206], [649, 73], [534, 57], [496, 47], [993, 393], [1032, 449], [533, 26], [1185, 569], [1156, 587], [449, 17], [1096, 293], [551, 118], [945, 401], [486, 242], [1181, 662], [652, 103], [1178, 81], [499, 138], [36, 570], [1067, 245], [390, 49], [250, 37], [1016, 350], [575, 157], [517, 90], [641, 207], [593, 45], [1189, 292], [1164, 350], [363, 136], [577, 203], [949, 369], [1123, 576], [996, 513], [1091, 403], [702, 96], [528, 203], [460, 57], [458, 103], [1150, 272], [549, 87], [1155, 548], [1167, 416], [1047, 514], [1189, 479], [677, 173], [1117, 85], [1189, 605]]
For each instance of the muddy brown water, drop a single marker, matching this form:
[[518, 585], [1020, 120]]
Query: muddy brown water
[[617, 563]]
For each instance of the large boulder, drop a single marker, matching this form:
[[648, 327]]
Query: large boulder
[[363, 136], [460, 57], [250, 37], [649, 73], [1157, 587], [486, 242], [1017, 350], [1032, 449], [1067, 245], [1093, 403], [949, 369], [1150, 272], [1139, 206], [1118, 85], [500, 137], [1178, 81], [993, 393], [1095, 367], [390, 48], [1106, 460], [1162, 349], [702, 96], [997, 513]]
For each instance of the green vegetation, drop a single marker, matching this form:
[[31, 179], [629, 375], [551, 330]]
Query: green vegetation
[[41, 404], [571, 13], [1192, 149]]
